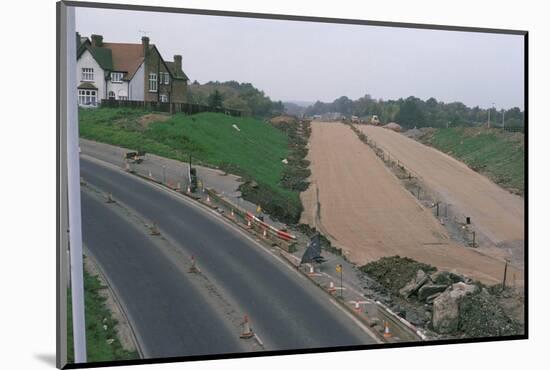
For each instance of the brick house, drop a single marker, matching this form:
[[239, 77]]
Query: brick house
[[126, 72]]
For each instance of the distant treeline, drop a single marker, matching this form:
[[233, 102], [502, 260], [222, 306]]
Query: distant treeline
[[412, 111], [234, 95]]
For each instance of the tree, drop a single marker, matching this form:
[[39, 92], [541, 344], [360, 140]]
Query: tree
[[215, 99]]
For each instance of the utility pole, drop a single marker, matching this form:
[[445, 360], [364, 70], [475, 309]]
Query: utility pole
[[73, 189], [503, 118], [504, 278]]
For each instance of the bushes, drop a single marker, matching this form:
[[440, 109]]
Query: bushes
[[395, 272]]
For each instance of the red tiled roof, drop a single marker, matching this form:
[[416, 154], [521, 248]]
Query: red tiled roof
[[126, 57]]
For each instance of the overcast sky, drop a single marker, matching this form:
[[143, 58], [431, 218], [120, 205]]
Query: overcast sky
[[308, 61]]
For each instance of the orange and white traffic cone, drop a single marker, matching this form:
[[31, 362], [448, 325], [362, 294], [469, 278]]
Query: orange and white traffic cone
[[208, 198], [331, 288], [110, 198], [357, 307], [247, 331], [265, 234], [150, 175], [154, 230], [311, 270], [232, 213], [193, 268], [188, 189], [249, 224], [387, 333]]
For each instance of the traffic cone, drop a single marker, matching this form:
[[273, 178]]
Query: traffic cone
[[232, 213], [150, 175], [188, 189], [110, 198], [207, 198], [265, 234], [154, 230], [247, 331], [331, 288], [178, 186], [387, 333], [311, 270], [193, 268], [357, 307], [249, 224]]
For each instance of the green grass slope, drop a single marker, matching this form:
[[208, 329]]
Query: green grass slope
[[497, 154], [254, 151], [97, 337]]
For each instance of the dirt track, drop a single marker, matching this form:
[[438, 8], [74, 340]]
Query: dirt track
[[495, 212], [368, 213]]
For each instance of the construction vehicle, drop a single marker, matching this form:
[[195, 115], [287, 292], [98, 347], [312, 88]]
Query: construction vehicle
[[135, 157], [374, 120], [192, 176]]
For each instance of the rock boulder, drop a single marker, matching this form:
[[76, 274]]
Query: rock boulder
[[446, 307]]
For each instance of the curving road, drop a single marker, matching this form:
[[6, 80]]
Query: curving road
[[168, 313], [286, 310]]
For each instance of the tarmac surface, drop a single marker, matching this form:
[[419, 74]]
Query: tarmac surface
[[285, 309]]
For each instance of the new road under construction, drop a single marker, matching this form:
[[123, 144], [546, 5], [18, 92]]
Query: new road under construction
[[198, 270], [365, 209]]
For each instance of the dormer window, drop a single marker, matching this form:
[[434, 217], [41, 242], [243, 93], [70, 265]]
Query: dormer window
[[87, 74], [116, 77]]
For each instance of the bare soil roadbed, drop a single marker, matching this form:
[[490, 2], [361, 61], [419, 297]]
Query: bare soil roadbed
[[497, 213], [366, 211]]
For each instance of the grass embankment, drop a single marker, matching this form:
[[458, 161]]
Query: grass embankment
[[255, 152], [492, 152], [102, 344]]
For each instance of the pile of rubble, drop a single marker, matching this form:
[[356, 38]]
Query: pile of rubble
[[449, 304]]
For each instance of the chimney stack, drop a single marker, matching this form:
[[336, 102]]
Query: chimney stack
[[177, 61], [145, 43], [97, 41]]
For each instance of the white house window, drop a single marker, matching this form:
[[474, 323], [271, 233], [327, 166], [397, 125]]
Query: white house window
[[116, 77], [112, 95], [153, 82], [122, 97], [164, 78], [87, 97], [87, 74], [164, 98]]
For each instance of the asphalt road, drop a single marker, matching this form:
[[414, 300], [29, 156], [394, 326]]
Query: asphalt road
[[285, 309], [168, 313]]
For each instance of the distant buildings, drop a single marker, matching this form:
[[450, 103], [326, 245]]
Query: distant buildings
[[125, 71]]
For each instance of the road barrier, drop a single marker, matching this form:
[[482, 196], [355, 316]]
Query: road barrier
[[269, 228]]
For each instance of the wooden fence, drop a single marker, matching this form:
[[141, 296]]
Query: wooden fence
[[186, 108]]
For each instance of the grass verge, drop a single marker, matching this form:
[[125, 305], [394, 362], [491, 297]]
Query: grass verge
[[244, 146], [101, 338], [492, 152]]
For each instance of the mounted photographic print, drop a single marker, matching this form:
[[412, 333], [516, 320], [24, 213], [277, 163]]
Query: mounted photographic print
[[234, 184]]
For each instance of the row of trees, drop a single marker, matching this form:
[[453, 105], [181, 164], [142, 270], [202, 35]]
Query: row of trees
[[234, 95], [412, 111]]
